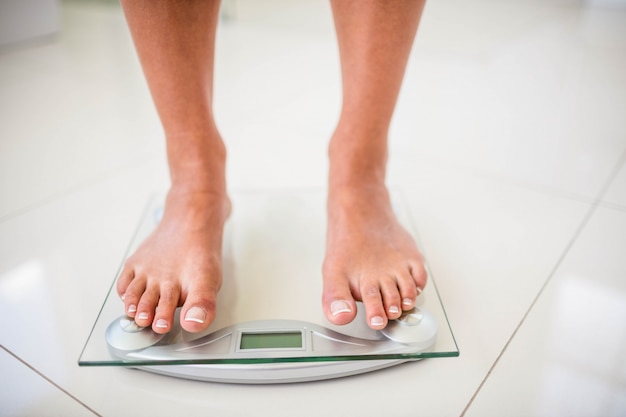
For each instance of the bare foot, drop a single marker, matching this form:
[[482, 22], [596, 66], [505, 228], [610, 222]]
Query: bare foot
[[370, 257], [179, 264]]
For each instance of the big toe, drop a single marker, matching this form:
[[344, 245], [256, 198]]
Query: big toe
[[339, 305], [198, 312]]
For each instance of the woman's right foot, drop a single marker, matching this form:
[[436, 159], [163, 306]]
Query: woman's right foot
[[179, 264]]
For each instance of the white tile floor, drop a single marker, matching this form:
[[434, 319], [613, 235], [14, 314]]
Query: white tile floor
[[509, 141]]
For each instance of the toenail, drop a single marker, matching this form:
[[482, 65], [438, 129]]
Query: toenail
[[407, 302], [123, 297], [419, 290], [394, 309], [161, 323], [196, 314], [377, 321], [340, 306], [142, 316], [132, 308]]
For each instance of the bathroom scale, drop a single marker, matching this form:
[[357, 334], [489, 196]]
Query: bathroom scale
[[270, 326]]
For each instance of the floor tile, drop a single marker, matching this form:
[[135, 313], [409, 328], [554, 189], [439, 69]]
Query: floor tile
[[479, 99], [77, 109], [616, 193], [568, 357], [25, 393], [59, 261], [510, 123], [536, 99]]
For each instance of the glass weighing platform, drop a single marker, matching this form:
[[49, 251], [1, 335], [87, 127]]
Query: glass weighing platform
[[270, 327]]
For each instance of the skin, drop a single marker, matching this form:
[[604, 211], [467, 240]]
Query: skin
[[369, 255]]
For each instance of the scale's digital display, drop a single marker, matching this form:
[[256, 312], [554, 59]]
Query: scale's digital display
[[271, 340]]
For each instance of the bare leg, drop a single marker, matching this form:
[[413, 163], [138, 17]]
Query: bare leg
[[369, 256], [180, 263]]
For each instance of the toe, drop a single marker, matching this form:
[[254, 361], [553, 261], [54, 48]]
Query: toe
[[392, 300], [419, 274], [133, 294], [164, 315], [198, 311], [374, 306], [339, 305], [147, 306], [124, 280], [408, 290]]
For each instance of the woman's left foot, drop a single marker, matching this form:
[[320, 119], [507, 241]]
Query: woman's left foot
[[370, 257]]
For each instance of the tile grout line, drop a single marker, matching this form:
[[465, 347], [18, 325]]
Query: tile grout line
[[580, 228], [612, 206], [493, 176], [74, 188], [54, 384], [594, 205]]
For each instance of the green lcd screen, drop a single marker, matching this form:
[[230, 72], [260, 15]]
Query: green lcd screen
[[277, 340]]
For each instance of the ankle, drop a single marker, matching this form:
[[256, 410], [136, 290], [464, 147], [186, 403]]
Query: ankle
[[197, 162], [357, 156], [199, 177], [357, 165], [357, 193], [192, 204]]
